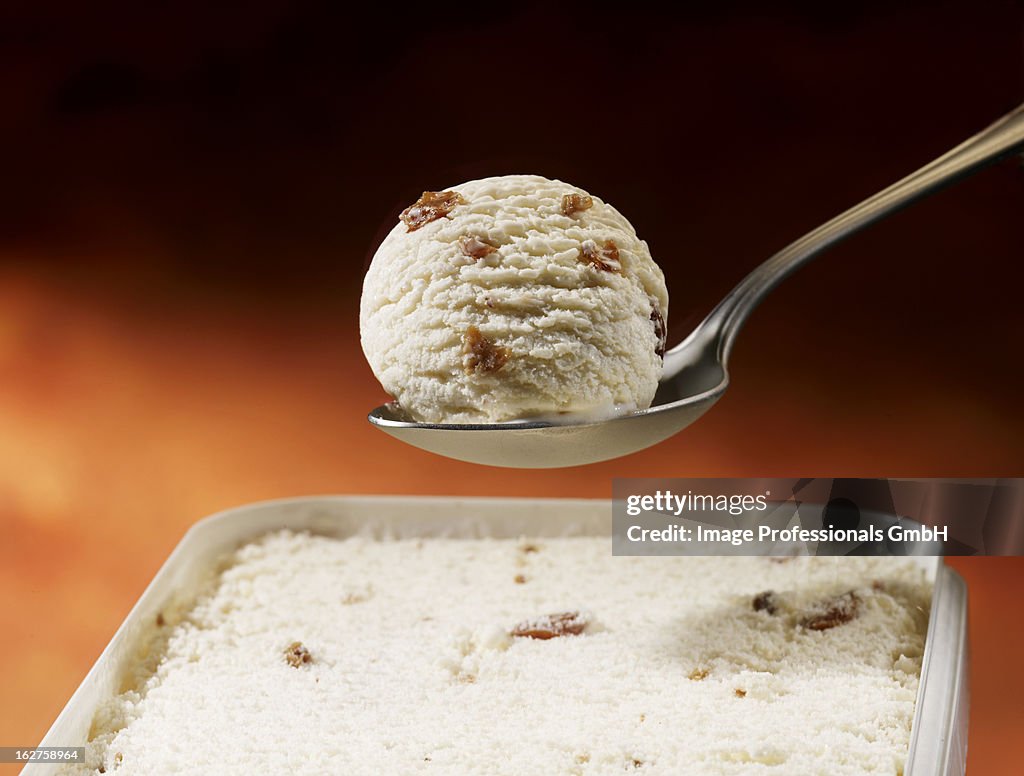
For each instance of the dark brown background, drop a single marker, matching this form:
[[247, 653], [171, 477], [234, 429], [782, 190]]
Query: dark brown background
[[188, 198]]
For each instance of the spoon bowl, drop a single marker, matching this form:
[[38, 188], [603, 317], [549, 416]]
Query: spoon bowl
[[695, 385], [543, 445], [695, 372]]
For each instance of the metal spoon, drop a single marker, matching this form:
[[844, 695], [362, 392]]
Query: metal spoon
[[696, 373]]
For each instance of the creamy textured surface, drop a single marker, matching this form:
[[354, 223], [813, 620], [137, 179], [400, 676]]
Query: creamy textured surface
[[413, 669], [581, 339]]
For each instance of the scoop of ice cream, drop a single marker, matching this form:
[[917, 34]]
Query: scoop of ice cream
[[514, 297]]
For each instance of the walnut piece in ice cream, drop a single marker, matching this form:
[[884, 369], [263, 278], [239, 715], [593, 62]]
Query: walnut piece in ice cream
[[431, 206], [481, 354], [476, 247], [660, 330], [574, 203], [551, 626], [604, 257], [766, 602], [297, 655], [832, 613]]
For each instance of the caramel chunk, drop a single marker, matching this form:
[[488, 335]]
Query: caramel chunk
[[551, 626], [529, 548], [574, 203], [481, 354], [520, 579], [660, 330], [160, 621], [837, 611], [766, 602], [697, 675], [604, 257], [740, 693], [431, 206], [296, 654], [476, 247]]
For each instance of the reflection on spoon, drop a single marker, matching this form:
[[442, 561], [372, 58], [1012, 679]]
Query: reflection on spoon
[[696, 373]]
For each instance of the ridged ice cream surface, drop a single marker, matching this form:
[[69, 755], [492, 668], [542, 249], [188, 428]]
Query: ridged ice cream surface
[[510, 298]]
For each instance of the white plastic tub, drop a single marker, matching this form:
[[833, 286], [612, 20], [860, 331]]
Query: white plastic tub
[[938, 744]]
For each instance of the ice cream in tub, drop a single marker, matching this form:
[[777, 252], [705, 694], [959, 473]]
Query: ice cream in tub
[[425, 635]]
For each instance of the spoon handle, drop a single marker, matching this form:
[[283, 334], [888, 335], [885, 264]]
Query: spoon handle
[[1002, 138]]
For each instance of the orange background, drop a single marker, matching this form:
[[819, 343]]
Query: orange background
[[189, 201], [128, 432]]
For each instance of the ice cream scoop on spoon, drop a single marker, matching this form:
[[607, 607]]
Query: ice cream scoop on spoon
[[695, 373]]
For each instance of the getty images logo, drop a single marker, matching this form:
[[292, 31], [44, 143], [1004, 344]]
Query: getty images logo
[[667, 502]]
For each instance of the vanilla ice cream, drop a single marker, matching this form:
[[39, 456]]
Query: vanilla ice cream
[[478, 657], [510, 298]]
